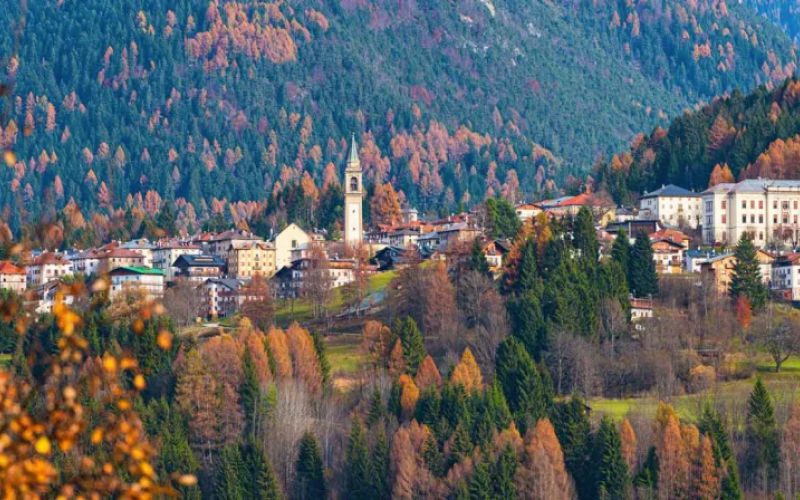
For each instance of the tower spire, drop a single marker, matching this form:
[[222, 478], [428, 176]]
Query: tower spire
[[353, 159]]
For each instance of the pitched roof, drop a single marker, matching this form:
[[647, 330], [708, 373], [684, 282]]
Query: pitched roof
[[352, 158], [199, 261], [50, 258], [671, 190], [6, 267], [137, 270]]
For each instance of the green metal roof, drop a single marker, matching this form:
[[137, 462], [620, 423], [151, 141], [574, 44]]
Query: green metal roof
[[140, 270]]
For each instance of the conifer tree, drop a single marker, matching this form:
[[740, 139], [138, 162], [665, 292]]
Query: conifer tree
[[412, 342], [480, 485], [231, 475], [249, 392], [711, 425], [357, 462], [503, 471], [610, 472], [309, 477], [261, 482], [762, 457], [322, 357], [647, 477], [746, 280], [584, 235], [574, 433], [521, 383], [434, 459], [621, 251], [375, 408], [642, 277], [379, 467], [477, 260]]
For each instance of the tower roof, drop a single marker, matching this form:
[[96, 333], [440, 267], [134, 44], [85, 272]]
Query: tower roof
[[352, 158]]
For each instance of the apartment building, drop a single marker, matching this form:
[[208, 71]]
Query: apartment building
[[249, 259], [146, 279], [12, 277], [47, 266], [672, 205], [767, 210]]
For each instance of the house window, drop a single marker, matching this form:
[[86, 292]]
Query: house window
[[760, 219], [724, 205], [354, 184], [785, 205], [294, 243], [752, 204], [744, 203], [761, 204], [744, 219], [775, 204], [752, 219]]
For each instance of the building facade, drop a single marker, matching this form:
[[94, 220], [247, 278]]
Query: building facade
[[767, 210], [291, 238], [47, 266], [353, 198], [257, 257], [672, 205], [137, 278], [12, 277]]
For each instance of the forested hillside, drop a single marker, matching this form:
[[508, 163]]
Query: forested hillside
[[784, 13], [741, 136], [128, 104]]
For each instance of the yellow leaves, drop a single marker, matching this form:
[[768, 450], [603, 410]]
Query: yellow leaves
[[409, 395], [97, 436], [109, 363], [467, 373], [43, 446], [9, 157], [187, 480], [164, 340], [139, 382]]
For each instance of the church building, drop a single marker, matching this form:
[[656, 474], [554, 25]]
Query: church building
[[353, 198]]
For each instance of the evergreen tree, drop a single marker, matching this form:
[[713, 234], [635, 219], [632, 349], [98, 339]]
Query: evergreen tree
[[711, 424], [584, 235], [309, 477], [376, 410], [647, 478], [249, 392], [573, 430], [527, 322], [477, 260], [501, 218], [357, 463], [480, 485], [746, 278], [231, 475], [434, 459], [379, 468], [762, 457], [322, 357], [521, 383], [413, 344], [621, 251], [642, 277], [261, 482], [503, 473], [610, 471]]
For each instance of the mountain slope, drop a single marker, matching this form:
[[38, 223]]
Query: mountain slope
[[451, 101]]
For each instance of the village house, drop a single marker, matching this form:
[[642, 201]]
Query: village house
[[85, 262], [136, 279], [12, 277], [44, 296], [526, 211], [694, 259], [249, 259], [219, 245], [668, 256], [221, 297], [198, 268], [402, 237], [719, 270], [119, 257], [291, 238], [291, 281], [141, 246], [672, 205], [458, 232], [495, 252], [47, 266], [603, 209], [165, 254], [641, 309]]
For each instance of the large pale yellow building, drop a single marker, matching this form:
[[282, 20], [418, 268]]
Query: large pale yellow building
[[248, 259]]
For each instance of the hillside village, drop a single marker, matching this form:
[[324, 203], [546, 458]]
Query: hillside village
[[690, 233]]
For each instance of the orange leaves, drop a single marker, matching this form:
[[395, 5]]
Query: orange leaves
[[385, 205], [409, 395], [467, 373], [720, 174], [427, 374]]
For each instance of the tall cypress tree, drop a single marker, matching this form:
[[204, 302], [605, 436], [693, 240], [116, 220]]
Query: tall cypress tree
[[611, 478], [762, 458], [746, 280], [309, 477], [642, 277], [357, 462]]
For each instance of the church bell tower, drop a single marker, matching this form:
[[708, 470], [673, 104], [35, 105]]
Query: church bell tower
[[353, 197]]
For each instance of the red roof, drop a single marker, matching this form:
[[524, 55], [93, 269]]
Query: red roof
[[50, 258], [7, 267], [669, 234]]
